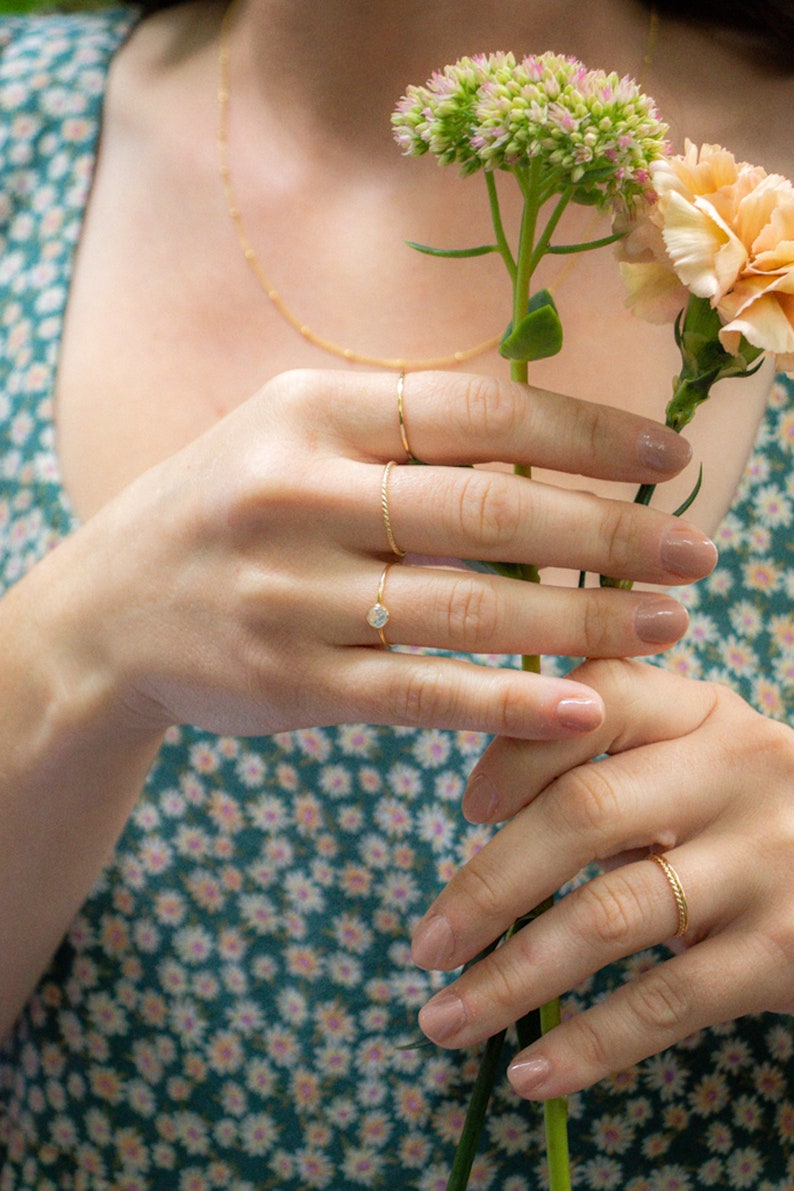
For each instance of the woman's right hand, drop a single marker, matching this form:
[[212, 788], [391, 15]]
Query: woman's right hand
[[228, 586]]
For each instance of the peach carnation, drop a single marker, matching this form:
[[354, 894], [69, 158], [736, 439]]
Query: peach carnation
[[724, 231]]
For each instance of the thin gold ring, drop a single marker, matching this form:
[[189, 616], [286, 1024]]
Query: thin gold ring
[[674, 881], [384, 504], [378, 614], [401, 416]]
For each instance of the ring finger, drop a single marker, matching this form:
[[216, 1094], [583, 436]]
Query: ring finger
[[471, 613]]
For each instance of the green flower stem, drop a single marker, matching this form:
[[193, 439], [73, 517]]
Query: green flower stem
[[498, 226], [475, 1115]]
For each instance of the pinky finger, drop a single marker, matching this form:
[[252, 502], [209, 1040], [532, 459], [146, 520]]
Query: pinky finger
[[439, 692], [660, 1007]]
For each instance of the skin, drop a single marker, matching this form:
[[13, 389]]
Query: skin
[[243, 477]]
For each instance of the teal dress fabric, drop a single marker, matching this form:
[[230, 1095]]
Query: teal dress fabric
[[231, 1006]]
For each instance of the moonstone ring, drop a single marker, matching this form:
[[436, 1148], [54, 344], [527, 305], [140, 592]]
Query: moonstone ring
[[378, 615]]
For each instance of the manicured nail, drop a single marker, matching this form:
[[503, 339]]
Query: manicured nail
[[480, 799], [663, 450], [660, 621], [583, 714], [687, 553], [443, 1016], [433, 943], [527, 1076]]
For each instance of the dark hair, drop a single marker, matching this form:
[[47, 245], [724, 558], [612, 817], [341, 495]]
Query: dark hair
[[769, 26]]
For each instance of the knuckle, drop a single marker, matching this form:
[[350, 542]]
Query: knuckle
[[618, 536], [660, 1003], [593, 1046], [491, 408], [472, 616], [488, 514], [609, 911], [586, 803], [479, 890], [597, 625], [422, 699]]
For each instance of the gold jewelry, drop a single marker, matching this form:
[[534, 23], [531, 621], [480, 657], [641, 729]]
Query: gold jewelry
[[384, 504], [335, 349], [401, 416], [378, 615], [674, 882], [326, 345]]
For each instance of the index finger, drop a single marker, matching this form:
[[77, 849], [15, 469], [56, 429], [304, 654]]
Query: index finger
[[453, 418]]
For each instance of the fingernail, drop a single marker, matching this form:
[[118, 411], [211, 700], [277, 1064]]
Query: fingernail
[[443, 1016], [433, 943], [660, 621], [687, 553], [480, 799], [583, 714], [663, 450], [527, 1076]]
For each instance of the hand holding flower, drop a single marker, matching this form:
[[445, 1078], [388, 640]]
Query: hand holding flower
[[664, 737]]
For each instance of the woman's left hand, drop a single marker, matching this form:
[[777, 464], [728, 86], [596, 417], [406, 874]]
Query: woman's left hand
[[693, 772]]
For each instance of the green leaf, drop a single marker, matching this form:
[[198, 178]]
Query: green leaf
[[539, 333], [455, 253]]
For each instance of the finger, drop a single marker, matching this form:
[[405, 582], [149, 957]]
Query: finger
[[492, 516], [458, 610], [645, 705], [438, 692], [591, 813], [460, 418], [605, 920], [713, 982]]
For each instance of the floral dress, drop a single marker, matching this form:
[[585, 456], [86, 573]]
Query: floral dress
[[230, 1008]]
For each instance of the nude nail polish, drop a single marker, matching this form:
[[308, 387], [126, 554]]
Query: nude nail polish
[[443, 1016], [687, 553], [433, 943]]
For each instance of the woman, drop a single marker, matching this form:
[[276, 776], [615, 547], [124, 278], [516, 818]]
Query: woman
[[187, 564]]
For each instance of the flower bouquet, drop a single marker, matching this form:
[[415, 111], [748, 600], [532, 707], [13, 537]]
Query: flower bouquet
[[704, 242]]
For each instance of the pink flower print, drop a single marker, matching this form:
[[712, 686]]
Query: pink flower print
[[744, 1167], [768, 699], [304, 961], [308, 816], [351, 933], [784, 1119], [225, 1054], [393, 817], [356, 880], [314, 1168], [114, 935], [761, 576], [769, 1082], [170, 908], [350, 818], [281, 1046], [206, 891], [225, 812]]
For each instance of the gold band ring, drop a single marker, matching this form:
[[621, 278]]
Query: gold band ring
[[378, 615], [674, 881], [401, 416], [384, 504]]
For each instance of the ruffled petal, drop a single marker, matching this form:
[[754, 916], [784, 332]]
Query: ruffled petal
[[706, 255], [653, 292]]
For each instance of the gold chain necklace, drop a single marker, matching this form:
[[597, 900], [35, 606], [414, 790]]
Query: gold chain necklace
[[326, 345]]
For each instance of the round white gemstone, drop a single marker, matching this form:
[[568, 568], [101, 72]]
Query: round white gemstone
[[378, 616]]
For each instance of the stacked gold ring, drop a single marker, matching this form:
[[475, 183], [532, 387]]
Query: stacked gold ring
[[384, 504], [674, 881]]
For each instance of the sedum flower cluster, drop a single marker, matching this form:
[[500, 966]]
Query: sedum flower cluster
[[722, 231], [589, 131]]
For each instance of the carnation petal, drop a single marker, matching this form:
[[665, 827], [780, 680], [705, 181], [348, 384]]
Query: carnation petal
[[653, 292], [706, 256], [767, 322]]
